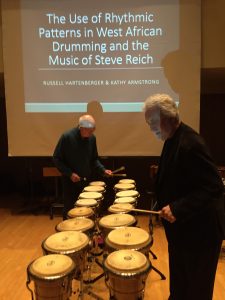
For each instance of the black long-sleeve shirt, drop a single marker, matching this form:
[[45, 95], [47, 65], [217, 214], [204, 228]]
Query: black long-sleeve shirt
[[188, 181], [76, 154]]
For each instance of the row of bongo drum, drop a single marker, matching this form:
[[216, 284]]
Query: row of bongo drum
[[126, 264]]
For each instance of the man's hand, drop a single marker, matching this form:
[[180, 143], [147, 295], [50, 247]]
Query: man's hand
[[74, 177], [108, 172], [167, 214]]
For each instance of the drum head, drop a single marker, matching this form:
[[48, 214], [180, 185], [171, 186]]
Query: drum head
[[126, 261], [77, 224], [90, 195], [125, 200], [117, 220], [94, 188], [130, 193], [126, 180], [129, 238], [100, 183], [122, 208], [124, 186], [86, 202], [66, 241], [80, 212], [52, 265]]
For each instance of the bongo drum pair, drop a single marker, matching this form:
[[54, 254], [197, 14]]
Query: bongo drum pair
[[90, 199], [130, 196], [114, 221], [75, 244]]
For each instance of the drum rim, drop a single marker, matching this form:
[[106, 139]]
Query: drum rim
[[65, 251], [56, 276], [98, 182], [128, 191], [127, 179], [93, 186], [95, 203], [122, 186], [127, 273], [117, 211], [88, 214], [137, 247], [133, 221], [97, 194], [117, 199], [91, 222]]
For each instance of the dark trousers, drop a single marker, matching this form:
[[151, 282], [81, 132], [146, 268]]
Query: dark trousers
[[71, 192], [192, 271]]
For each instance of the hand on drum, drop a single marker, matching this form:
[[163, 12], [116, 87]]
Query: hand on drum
[[167, 214]]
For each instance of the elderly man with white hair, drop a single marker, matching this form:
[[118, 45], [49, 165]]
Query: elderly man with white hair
[[76, 157], [189, 194]]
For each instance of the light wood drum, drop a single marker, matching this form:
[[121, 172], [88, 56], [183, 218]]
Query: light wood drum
[[85, 225], [72, 243], [129, 238], [126, 180], [114, 221], [87, 203], [99, 183], [126, 200], [123, 208], [81, 212], [124, 187], [131, 193], [91, 195], [126, 272], [52, 275], [94, 188]]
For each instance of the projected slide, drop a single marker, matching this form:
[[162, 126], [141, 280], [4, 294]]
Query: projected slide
[[75, 52]]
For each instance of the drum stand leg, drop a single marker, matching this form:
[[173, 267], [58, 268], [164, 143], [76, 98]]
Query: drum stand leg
[[163, 277], [85, 286]]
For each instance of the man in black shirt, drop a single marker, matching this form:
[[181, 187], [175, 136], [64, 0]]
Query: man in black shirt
[[76, 157], [189, 193]]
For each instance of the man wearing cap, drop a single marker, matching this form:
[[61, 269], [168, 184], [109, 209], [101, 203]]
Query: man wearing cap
[[76, 157]]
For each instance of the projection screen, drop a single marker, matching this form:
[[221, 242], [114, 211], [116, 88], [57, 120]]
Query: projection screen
[[66, 58]]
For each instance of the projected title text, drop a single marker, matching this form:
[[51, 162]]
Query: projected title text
[[102, 40]]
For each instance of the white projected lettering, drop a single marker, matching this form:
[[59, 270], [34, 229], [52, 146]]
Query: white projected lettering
[[102, 32], [116, 47]]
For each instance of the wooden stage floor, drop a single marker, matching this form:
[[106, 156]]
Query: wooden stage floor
[[21, 236]]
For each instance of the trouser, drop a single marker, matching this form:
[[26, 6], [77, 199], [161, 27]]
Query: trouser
[[192, 271], [71, 192]]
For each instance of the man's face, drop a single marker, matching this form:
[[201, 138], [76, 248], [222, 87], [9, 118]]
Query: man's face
[[86, 132], [158, 125], [152, 118]]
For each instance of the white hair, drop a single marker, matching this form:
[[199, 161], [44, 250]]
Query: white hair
[[166, 105]]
